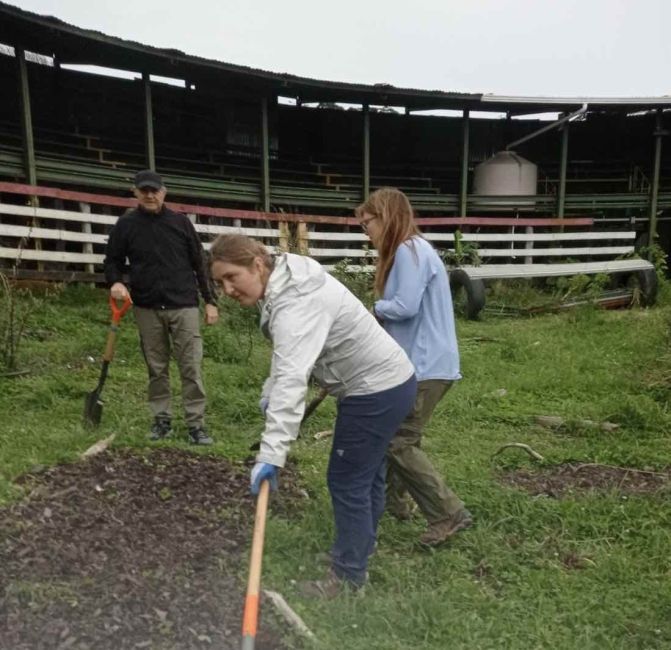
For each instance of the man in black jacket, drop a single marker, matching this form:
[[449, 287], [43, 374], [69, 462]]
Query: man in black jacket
[[167, 271]]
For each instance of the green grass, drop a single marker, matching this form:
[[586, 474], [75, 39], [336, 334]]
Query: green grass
[[504, 583]]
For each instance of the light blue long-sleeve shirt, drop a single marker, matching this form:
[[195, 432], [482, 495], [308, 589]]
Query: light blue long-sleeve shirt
[[417, 310]]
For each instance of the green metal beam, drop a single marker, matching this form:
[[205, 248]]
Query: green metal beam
[[463, 191], [265, 156], [561, 196], [26, 118], [365, 190], [654, 194], [149, 122]]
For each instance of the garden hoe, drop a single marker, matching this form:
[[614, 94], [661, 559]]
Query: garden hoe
[[93, 407], [251, 612], [309, 410]]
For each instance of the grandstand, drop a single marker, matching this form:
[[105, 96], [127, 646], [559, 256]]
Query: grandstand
[[249, 144]]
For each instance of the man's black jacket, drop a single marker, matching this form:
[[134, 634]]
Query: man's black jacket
[[166, 259]]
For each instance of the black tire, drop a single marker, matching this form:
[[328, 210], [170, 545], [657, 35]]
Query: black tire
[[474, 290], [647, 283], [641, 242]]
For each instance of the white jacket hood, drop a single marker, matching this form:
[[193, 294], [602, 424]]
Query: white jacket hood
[[292, 273]]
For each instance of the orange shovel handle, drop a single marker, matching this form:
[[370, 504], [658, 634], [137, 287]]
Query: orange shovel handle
[[118, 312]]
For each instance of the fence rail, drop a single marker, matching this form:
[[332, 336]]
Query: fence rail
[[61, 233]]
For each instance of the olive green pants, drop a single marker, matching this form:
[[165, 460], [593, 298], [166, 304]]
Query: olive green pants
[[164, 332], [409, 469]]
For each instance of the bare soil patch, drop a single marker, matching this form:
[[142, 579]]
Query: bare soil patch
[[567, 479], [127, 550]]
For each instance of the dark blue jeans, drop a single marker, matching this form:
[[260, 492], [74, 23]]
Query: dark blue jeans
[[356, 476]]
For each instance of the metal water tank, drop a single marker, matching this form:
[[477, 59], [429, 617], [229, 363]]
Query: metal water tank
[[505, 174]]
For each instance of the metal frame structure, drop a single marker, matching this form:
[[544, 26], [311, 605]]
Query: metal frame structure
[[68, 44]]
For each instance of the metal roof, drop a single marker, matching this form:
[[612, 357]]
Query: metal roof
[[74, 45]]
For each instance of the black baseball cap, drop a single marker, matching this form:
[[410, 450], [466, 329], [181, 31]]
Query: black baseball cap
[[148, 178]]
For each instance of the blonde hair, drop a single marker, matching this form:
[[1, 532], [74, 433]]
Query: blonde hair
[[397, 220], [239, 250]]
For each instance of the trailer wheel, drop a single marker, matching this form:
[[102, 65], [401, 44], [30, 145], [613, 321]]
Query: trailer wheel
[[647, 283], [468, 294]]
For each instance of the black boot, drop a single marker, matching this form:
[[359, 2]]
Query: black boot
[[162, 428], [199, 436]]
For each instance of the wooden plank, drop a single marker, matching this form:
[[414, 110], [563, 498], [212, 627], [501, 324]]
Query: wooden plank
[[485, 237], [504, 221], [67, 215], [508, 271], [336, 236], [48, 213], [533, 237], [51, 233], [341, 252], [555, 252], [66, 195], [50, 256], [237, 230]]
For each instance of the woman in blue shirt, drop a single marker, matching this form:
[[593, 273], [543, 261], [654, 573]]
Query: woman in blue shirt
[[415, 308]]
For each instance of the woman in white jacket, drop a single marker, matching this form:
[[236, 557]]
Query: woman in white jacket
[[319, 328]]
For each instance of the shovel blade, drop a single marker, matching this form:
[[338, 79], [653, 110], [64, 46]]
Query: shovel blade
[[93, 409]]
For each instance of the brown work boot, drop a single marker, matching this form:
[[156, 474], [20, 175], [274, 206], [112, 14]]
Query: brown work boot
[[441, 531], [402, 511], [327, 588]]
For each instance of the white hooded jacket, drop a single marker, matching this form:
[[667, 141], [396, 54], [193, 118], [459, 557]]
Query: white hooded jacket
[[318, 327]]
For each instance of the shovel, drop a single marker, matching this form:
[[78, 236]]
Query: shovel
[[251, 612], [93, 407]]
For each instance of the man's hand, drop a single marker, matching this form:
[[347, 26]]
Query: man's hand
[[211, 314], [263, 472], [119, 291]]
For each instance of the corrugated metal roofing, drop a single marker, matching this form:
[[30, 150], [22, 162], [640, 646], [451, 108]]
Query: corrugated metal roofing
[[72, 44]]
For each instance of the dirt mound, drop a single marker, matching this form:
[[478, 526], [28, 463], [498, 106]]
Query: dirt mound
[[130, 551], [570, 478]]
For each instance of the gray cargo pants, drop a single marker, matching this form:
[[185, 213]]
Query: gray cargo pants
[[166, 331], [409, 468]]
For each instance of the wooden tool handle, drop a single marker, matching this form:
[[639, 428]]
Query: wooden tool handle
[[108, 354], [251, 613]]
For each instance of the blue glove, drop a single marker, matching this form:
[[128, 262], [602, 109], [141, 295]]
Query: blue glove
[[263, 405], [263, 472]]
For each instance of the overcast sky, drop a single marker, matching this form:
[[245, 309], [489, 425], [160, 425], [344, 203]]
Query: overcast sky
[[512, 47]]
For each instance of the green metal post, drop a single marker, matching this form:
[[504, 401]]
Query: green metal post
[[149, 121], [561, 198], [463, 192], [365, 190], [655, 180], [26, 118], [265, 156]]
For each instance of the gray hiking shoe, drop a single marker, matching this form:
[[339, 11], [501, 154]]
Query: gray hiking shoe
[[441, 531], [162, 428], [199, 436]]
